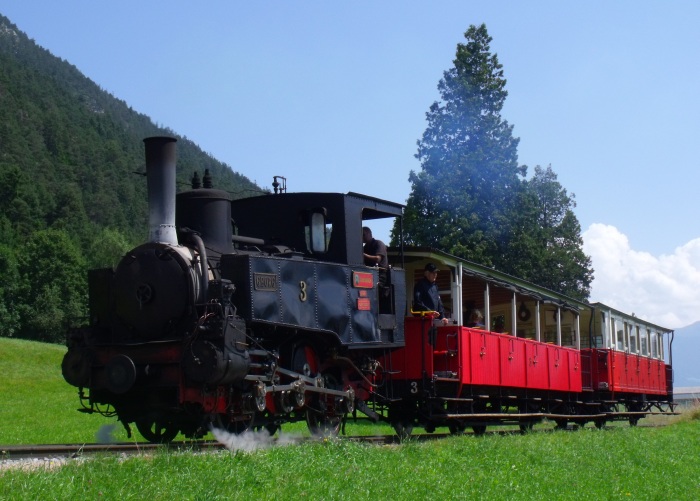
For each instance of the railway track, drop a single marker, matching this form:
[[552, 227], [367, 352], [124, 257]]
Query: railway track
[[52, 455], [64, 452]]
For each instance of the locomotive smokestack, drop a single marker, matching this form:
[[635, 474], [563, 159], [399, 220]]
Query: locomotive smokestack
[[160, 172]]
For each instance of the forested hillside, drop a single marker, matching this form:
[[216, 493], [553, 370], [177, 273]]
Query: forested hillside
[[71, 197]]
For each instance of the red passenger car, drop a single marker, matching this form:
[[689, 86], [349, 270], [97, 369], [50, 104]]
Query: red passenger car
[[539, 365]]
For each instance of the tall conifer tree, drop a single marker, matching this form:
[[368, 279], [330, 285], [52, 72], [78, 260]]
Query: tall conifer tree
[[470, 197], [469, 164]]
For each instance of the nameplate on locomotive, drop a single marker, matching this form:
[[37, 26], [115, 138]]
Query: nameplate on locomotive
[[363, 304], [265, 281], [362, 280]]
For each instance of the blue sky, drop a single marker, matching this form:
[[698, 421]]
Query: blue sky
[[333, 95]]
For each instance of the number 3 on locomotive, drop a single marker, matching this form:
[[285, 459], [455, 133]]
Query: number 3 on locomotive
[[302, 291]]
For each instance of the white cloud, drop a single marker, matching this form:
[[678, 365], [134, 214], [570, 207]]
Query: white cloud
[[663, 290]]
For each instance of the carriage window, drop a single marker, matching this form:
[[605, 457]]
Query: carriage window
[[498, 322], [568, 335], [644, 342], [549, 334], [569, 332], [654, 345], [618, 328], [634, 332]]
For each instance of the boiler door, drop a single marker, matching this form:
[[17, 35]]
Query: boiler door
[[154, 292]]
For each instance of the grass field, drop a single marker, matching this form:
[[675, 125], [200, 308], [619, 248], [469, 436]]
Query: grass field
[[36, 404], [617, 463]]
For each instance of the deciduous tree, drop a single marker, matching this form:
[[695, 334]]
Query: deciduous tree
[[558, 261], [52, 274]]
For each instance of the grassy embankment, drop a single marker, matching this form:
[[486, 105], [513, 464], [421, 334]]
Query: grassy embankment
[[622, 462]]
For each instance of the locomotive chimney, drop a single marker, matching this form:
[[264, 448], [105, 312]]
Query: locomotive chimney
[[160, 175]]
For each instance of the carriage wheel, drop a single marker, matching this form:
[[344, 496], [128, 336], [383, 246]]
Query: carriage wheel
[[158, 431], [634, 407], [479, 429], [456, 427], [526, 426], [562, 424]]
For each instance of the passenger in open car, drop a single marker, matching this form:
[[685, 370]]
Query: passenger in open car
[[476, 320], [426, 296]]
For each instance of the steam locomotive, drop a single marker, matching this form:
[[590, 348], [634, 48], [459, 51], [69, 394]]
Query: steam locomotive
[[252, 313]]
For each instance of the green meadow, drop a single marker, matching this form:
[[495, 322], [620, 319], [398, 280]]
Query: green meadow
[[37, 406]]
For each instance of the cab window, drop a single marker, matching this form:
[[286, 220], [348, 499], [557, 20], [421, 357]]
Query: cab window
[[317, 232]]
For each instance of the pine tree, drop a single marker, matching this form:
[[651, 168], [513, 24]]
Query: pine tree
[[469, 169], [471, 198]]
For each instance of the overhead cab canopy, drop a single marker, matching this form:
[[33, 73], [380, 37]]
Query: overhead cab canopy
[[326, 226]]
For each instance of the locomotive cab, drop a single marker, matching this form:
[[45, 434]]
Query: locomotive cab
[[291, 218], [315, 277]]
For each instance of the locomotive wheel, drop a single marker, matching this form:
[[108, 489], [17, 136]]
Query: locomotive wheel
[[403, 429], [285, 402], [321, 425], [235, 427], [305, 360], [158, 431], [271, 428], [320, 422]]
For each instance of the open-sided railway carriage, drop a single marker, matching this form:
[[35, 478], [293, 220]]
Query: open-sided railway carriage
[[539, 355], [256, 312]]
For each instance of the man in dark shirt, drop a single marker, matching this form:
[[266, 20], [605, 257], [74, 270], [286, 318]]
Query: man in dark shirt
[[374, 250], [425, 293]]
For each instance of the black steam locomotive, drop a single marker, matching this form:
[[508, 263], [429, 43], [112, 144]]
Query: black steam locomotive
[[237, 314]]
